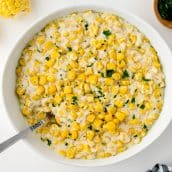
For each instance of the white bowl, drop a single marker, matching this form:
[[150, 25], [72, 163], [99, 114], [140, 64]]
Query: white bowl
[[12, 106]]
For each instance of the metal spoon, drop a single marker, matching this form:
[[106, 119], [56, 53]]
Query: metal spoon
[[6, 144]]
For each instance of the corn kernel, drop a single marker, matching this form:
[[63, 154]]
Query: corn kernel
[[115, 89], [90, 134], [119, 103], [51, 78], [70, 153], [64, 134], [74, 134], [57, 99], [40, 90], [20, 91], [90, 117], [26, 111], [48, 45], [97, 123], [112, 54], [123, 89], [92, 79], [71, 75], [108, 117], [98, 107], [121, 64], [52, 89], [36, 97], [134, 122], [99, 65], [75, 126], [120, 56], [120, 115], [81, 77], [34, 80], [87, 88], [111, 110], [42, 80], [111, 65], [109, 81], [116, 76], [67, 89], [110, 126], [55, 54]]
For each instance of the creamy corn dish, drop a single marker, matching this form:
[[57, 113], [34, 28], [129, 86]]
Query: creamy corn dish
[[97, 81]]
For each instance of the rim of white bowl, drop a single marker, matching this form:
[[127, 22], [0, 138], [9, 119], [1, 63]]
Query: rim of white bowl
[[102, 8]]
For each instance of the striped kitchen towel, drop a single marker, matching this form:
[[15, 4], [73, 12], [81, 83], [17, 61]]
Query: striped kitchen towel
[[161, 168]]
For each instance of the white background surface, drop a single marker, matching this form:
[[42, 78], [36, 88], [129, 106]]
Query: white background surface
[[20, 158]]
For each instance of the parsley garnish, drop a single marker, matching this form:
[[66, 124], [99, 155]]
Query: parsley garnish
[[133, 100], [86, 25], [133, 117], [127, 101], [90, 127], [114, 96], [142, 106], [107, 33], [74, 100], [102, 75], [135, 135], [66, 144], [48, 142], [109, 73], [69, 48], [145, 79], [47, 58], [125, 74], [90, 65], [105, 109], [145, 127]]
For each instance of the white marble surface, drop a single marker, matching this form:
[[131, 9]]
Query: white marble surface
[[20, 157]]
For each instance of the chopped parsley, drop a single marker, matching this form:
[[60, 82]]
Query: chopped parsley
[[47, 58], [134, 117], [127, 102], [74, 100], [90, 65], [107, 33], [66, 144], [133, 75], [86, 25], [69, 48], [109, 73], [114, 96], [90, 127], [145, 127], [135, 135], [100, 94], [145, 79], [48, 142], [142, 106], [102, 74], [105, 109], [42, 139], [125, 74], [133, 100]]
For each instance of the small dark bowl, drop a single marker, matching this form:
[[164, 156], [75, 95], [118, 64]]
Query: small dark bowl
[[166, 23]]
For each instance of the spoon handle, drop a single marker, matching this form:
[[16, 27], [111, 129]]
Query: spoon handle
[[6, 144]]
